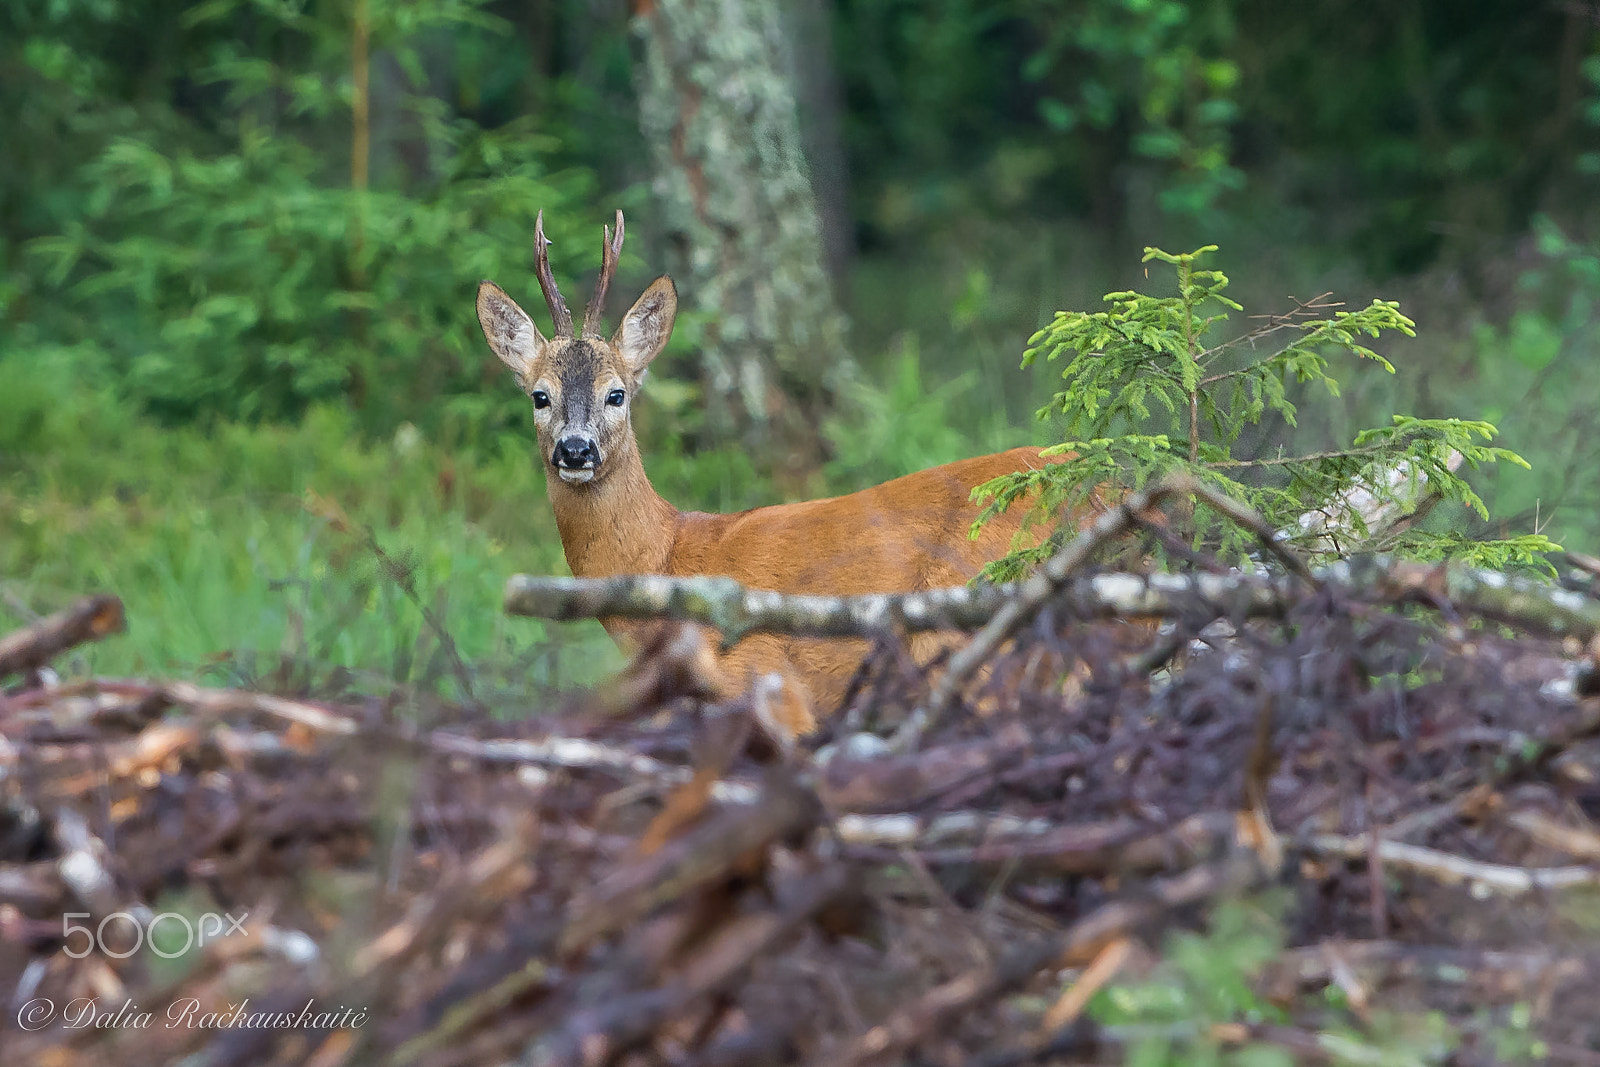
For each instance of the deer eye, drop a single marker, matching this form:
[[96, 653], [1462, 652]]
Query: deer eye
[[541, 399], [616, 397]]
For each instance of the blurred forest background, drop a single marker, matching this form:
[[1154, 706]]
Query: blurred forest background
[[241, 384]]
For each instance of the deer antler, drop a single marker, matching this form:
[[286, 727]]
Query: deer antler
[[610, 251], [559, 315]]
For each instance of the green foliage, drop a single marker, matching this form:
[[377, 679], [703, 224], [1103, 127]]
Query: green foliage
[[901, 427], [241, 269], [243, 287], [1204, 989], [1160, 69], [1206, 980], [1148, 365], [1147, 118], [996, 104], [1535, 372]]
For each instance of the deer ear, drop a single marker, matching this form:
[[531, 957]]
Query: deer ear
[[647, 325], [507, 328]]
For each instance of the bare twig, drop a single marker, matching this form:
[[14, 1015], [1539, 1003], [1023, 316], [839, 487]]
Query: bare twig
[[225, 701], [1063, 1026], [1272, 540], [1452, 869], [572, 753], [1021, 606], [1093, 979], [1274, 322], [1305, 457], [577, 753]]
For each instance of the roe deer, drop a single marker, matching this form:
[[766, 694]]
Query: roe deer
[[906, 535]]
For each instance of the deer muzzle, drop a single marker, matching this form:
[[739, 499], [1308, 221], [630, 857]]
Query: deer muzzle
[[576, 458]]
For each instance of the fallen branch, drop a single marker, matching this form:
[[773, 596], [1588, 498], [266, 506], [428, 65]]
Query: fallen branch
[[576, 753], [1450, 869], [737, 611], [569, 753], [872, 782], [1528, 603], [501, 893], [708, 852], [713, 601], [217, 702], [967, 838], [34, 645], [598, 1033]]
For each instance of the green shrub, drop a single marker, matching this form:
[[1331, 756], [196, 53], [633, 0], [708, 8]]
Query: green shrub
[[234, 269], [1149, 391]]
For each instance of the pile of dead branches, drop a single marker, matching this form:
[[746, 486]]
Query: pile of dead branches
[[1399, 782]]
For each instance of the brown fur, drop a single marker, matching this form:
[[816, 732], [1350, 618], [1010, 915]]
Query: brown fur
[[906, 535]]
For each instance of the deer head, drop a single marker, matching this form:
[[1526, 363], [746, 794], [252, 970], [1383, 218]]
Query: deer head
[[581, 385]]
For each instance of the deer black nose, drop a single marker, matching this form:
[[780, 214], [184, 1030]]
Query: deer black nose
[[576, 453]]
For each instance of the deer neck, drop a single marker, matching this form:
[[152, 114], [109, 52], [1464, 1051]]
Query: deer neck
[[618, 526]]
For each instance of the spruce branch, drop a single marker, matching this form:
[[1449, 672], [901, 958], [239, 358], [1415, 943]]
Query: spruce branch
[[1144, 397]]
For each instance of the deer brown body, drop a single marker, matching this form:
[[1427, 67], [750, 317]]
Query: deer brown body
[[906, 535]]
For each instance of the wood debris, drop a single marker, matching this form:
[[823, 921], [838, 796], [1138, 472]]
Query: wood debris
[[638, 876]]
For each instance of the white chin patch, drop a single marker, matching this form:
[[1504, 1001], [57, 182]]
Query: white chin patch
[[572, 477]]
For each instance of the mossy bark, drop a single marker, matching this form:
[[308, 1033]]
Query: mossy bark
[[742, 238]]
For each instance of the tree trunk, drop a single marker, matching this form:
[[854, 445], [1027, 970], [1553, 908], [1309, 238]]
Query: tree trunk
[[717, 107], [819, 97]]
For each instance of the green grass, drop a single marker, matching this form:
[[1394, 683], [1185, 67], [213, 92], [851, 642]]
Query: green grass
[[225, 547]]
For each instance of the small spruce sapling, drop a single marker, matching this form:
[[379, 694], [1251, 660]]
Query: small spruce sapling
[[1148, 393]]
